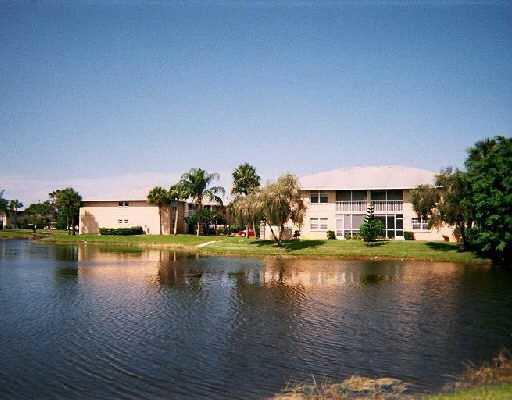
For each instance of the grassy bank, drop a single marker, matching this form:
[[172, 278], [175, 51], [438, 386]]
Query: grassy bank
[[491, 392], [354, 249], [25, 234], [492, 381]]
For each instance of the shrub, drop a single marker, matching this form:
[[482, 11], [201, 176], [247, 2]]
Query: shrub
[[408, 235], [331, 235], [134, 230]]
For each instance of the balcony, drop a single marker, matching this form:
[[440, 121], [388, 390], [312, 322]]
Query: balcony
[[360, 206]]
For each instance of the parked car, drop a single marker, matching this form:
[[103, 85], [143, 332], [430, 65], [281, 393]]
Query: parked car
[[247, 233]]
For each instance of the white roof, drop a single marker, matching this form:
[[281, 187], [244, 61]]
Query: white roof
[[365, 178]]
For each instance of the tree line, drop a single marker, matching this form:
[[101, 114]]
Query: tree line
[[476, 201], [275, 204], [60, 211]]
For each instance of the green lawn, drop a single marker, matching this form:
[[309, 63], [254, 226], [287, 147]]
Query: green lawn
[[407, 250], [494, 392]]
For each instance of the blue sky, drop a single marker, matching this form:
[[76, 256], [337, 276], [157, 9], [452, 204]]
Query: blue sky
[[115, 96]]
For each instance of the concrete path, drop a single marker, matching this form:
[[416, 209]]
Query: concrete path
[[206, 244]]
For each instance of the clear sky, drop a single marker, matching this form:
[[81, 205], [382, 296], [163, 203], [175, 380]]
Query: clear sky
[[113, 96]]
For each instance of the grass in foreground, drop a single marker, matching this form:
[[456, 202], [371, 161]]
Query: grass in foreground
[[493, 392], [355, 249]]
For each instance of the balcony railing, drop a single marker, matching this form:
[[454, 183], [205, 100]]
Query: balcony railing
[[352, 206], [362, 205]]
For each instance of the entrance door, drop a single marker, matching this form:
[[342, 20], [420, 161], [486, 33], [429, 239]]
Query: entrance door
[[339, 226]]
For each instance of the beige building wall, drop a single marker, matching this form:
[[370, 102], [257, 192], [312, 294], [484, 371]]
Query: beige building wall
[[325, 210], [109, 214]]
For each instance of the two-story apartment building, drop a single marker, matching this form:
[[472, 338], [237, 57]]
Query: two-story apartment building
[[338, 200]]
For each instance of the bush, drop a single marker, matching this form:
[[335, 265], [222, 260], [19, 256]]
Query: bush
[[371, 229], [331, 235], [134, 230], [408, 235]]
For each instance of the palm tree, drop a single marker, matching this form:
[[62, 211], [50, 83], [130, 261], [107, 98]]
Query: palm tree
[[196, 184], [176, 192], [245, 180], [13, 208], [159, 197]]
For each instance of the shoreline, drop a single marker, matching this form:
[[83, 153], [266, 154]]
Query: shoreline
[[237, 246]]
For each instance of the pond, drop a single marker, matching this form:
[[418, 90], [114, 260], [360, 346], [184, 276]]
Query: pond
[[92, 322]]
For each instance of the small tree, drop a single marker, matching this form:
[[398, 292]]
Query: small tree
[[371, 227], [159, 197], [424, 199], [281, 202]]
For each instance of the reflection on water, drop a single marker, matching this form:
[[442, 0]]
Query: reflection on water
[[94, 322]]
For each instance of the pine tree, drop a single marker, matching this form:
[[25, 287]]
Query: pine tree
[[371, 227]]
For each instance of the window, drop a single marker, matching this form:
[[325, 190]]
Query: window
[[393, 225], [378, 195], [343, 195], [318, 197], [357, 221], [123, 204], [125, 221], [119, 221], [420, 224], [395, 195], [318, 224]]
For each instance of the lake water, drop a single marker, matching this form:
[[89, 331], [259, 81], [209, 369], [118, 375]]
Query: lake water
[[89, 322]]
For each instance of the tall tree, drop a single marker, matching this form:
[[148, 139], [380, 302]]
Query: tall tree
[[489, 176], [196, 184], [245, 180], [68, 202], [160, 197], [177, 192], [447, 202], [281, 202], [14, 205], [424, 199]]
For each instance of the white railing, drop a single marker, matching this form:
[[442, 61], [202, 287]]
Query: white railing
[[388, 205], [352, 206], [362, 205]]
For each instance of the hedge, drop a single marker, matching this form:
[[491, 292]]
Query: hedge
[[408, 235], [134, 230]]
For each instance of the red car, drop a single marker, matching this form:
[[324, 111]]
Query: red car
[[247, 233]]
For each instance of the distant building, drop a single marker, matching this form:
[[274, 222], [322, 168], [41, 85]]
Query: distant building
[[96, 214], [338, 200]]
